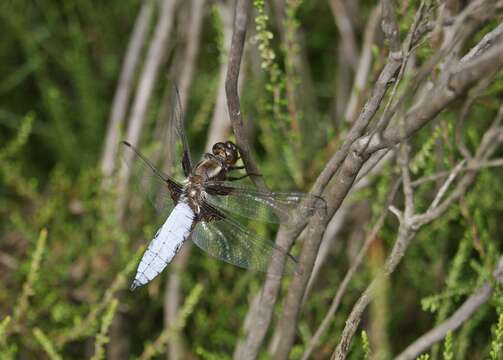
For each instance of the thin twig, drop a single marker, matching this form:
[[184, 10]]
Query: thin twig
[[125, 86], [407, 231], [231, 90], [172, 295], [313, 342], [479, 297]]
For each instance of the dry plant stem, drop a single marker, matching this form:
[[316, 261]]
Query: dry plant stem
[[405, 234], [220, 122], [464, 25], [410, 224], [262, 313], [458, 80], [335, 195], [352, 152], [479, 297], [459, 137], [478, 166], [352, 161], [493, 37], [172, 295], [191, 49], [153, 61], [124, 87], [362, 72], [259, 316], [347, 33], [172, 300], [389, 26], [231, 90], [314, 341], [372, 167], [118, 347], [334, 227]]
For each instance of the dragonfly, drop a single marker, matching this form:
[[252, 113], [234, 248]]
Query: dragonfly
[[204, 207]]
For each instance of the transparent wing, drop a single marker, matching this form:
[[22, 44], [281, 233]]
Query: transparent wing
[[228, 241], [253, 204], [161, 189], [178, 123], [175, 141]]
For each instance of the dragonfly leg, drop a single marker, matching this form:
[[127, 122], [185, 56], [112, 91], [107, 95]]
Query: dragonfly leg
[[236, 167], [234, 178]]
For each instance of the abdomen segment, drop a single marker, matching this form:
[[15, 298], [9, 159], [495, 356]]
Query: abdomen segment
[[165, 245]]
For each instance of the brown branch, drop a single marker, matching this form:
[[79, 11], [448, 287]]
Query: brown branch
[[352, 159], [172, 294], [346, 163], [313, 342], [118, 348], [124, 87], [479, 297], [409, 225], [220, 123], [292, 306], [371, 168], [439, 175], [490, 39], [456, 81], [231, 90], [155, 55], [364, 63], [347, 33], [390, 27], [335, 195]]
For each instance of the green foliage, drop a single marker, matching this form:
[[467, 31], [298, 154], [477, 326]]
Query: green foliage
[[423, 357], [448, 354], [366, 345], [46, 344], [497, 339], [102, 338], [28, 291], [158, 346]]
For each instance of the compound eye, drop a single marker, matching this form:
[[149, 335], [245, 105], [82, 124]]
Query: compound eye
[[230, 156], [231, 146], [218, 147]]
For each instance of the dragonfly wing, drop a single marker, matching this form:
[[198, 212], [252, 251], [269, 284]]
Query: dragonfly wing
[[229, 241], [165, 245], [178, 123], [274, 207], [161, 189]]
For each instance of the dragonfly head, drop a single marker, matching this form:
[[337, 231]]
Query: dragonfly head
[[227, 151]]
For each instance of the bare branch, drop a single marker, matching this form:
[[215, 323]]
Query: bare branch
[[347, 34], [346, 163], [220, 123], [153, 61], [364, 63], [231, 89], [490, 39], [445, 186], [390, 26], [172, 295], [124, 87], [349, 275], [439, 175], [407, 231], [457, 82], [464, 313], [404, 162]]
